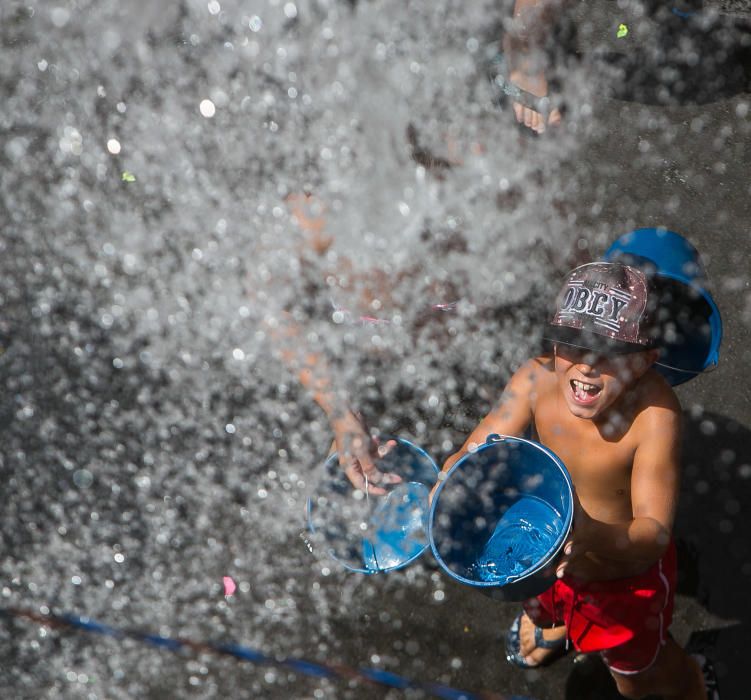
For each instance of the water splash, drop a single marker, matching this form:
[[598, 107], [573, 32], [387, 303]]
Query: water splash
[[137, 312]]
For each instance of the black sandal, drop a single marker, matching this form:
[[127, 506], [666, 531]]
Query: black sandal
[[497, 72], [513, 645]]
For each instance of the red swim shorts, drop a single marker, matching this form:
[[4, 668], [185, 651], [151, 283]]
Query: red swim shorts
[[626, 619]]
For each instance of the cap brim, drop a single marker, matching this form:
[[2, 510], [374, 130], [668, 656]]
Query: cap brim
[[587, 340]]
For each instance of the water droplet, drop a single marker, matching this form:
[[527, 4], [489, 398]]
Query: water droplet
[[83, 478], [59, 16], [207, 108]]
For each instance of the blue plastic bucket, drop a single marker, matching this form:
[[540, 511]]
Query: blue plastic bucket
[[499, 520], [692, 325], [373, 534]]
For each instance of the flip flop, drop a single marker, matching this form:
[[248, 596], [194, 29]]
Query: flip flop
[[513, 645], [710, 676], [497, 72]]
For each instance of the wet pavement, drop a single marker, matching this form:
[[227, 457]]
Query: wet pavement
[[713, 609], [132, 495]]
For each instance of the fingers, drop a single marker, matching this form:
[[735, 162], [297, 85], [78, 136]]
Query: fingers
[[568, 555], [358, 461], [362, 479], [383, 450], [376, 478], [363, 474], [356, 478], [372, 481], [381, 477], [374, 490]]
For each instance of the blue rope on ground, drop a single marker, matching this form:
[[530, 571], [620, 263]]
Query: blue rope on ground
[[242, 653]]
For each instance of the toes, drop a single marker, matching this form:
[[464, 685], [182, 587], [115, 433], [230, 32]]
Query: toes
[[528, 649], [529, 117], [536, 657], [526, 636], [518, 112]]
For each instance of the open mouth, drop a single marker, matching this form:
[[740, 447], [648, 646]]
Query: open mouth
[[585, 393]]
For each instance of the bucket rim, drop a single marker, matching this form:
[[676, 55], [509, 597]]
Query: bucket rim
[[333, 457], [671, 243], [493, 440], [695, 283]]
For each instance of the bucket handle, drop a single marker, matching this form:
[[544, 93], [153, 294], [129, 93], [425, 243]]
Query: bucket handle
[[493, 438]]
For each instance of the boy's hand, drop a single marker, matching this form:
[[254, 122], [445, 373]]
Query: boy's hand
[[576, 561], [586, 552], [358, 453]]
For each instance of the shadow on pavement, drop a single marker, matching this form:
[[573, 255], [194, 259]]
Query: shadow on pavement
[[713, 534]]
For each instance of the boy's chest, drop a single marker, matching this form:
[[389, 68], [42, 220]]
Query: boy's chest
[[599, 467]]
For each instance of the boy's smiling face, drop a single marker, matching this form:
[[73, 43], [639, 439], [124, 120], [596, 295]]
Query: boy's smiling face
[[592, 383]]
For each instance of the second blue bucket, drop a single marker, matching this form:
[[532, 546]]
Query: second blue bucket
[[500, 518], [692, 326], [375, 534]]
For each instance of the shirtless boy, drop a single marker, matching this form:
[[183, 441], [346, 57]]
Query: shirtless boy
[[615, 423]]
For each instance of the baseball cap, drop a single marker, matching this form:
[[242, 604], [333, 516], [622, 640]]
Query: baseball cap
[[605, 307]]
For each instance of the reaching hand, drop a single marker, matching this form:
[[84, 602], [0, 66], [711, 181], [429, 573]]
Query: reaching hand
[[578, 560], [358, 453]]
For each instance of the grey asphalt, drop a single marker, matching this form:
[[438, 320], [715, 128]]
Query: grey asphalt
[[635, 163]]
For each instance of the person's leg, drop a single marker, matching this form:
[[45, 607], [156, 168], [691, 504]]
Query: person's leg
[[674, 676]]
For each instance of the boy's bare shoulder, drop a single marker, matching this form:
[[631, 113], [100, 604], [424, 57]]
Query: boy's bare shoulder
[[542, 366], [535, 378], [656, 400]]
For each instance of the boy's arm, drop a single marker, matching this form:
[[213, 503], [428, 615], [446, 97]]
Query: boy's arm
[[512, 415], [602, 550]]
